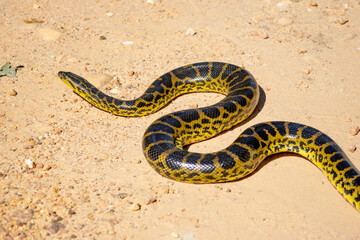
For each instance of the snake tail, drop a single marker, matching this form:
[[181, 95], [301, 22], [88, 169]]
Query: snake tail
[[243, 156]]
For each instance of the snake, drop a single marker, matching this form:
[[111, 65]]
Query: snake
[[165, 141]]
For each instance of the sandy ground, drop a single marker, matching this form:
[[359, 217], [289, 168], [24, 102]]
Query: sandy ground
[[89, 178]]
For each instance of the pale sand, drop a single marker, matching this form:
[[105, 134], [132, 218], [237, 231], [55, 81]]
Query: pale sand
[[306, 58]]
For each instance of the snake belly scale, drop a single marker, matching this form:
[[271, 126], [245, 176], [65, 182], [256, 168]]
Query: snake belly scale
[[164, 140]]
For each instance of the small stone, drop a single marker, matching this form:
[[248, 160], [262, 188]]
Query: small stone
[[39, 165], [306, 71], [12, 92], [175, 235], [352, 148], [115, 91], [194, 106], [29, 163], [56, 226], [150, 1], [313, 4], [284, 21], [150, 200], [127, 42], [49, 34], [32, 20], [227, 189], [122, 195], [354, 130], [135, 207], [302, 51], [47, 167], [131, 73], [190, 32], [264, 35], [109, 14], [342, 21], [102, 37], [30, 144], [71, 212]]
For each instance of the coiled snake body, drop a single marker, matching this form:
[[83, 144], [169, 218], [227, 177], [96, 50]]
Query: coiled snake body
[[164, 140]]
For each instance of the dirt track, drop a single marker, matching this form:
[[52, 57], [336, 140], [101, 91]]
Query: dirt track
[[90, 179]]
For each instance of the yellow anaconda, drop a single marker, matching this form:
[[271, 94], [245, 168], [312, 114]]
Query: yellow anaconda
[[165, 138]]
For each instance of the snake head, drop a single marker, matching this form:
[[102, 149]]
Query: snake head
[[71, 79]]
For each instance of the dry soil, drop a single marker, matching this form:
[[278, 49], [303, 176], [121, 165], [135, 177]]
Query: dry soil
[[71, 171]]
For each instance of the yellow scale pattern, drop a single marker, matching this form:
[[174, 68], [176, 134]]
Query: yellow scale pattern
[[164, 140]]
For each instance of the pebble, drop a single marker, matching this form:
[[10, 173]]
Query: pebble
[[30, 144], [39, 165], [29, 163], [284, 21], [354, 130], [49, 34], [306, 71], [71, 212], [131, 73], [313, 4], [12, 92], [150, 1], [109, 14], [135, 207], [115, 91], [99, 79], [102, 37], [47, 167], [352, 148], [175, 235], [150, 200], [342, 21], [263, 35], [127, 42], [190, 32], [56, 226], [32, 20]]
